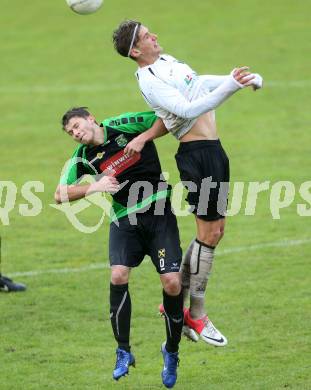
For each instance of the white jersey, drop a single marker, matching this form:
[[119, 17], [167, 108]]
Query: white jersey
[[178, 95]]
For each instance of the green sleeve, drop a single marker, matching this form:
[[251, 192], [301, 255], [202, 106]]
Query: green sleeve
[[132, 122], [76, 168]]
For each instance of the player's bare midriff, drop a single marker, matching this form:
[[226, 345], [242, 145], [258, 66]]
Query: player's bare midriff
[[203, 129]]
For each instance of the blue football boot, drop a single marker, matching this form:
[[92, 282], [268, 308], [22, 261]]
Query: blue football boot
[[169, 372], [124, 361], [7, 285]]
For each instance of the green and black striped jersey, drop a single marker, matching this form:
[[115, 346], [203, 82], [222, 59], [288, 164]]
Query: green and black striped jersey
[[144, 174]]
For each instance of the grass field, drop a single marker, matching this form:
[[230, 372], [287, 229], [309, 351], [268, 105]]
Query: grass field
[[57, 335]]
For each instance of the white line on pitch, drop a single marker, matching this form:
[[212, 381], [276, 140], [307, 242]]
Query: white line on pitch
[[62, 270], [96, 266], [280, 244]]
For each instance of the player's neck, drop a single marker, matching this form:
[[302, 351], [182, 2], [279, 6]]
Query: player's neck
[[147, 60], [98, 136]]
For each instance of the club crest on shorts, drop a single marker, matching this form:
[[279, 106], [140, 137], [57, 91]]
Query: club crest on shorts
[[121, 140], [161, 252]]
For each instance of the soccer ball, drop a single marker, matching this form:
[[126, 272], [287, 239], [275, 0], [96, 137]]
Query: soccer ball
[[84, 7]]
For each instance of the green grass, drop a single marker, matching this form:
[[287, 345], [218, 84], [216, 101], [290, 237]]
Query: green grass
[[57, 335]]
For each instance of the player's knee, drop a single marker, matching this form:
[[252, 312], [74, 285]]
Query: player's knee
[[119, 276], [172, 284], [119, 279], [212, 237]]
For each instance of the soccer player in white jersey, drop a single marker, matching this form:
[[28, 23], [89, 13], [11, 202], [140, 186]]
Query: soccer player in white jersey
[[186, 102]]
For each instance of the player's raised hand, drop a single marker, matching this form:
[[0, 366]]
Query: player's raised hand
[[256, 83], [242, 75], [105, 184], [135, 146]]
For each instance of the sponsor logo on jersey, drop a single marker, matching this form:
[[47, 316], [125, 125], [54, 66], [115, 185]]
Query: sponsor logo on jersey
[[118, 163], [188, 79], [121, 140]]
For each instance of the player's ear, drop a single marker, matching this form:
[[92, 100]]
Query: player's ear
[[135, 52], [92, 118]]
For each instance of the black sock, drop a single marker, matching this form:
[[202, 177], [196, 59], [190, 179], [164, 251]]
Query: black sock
[[174, 320], [120, 314]]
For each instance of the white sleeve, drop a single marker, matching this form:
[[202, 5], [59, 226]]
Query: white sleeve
[[161, 95], [212, 81]]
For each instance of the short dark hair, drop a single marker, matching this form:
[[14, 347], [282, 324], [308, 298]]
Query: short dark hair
[[123, 35], [81, 112]]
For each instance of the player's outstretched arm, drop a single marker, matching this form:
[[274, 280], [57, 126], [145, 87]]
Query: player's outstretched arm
[[214, 81], [159, 94], [136, 145], [69, 193]]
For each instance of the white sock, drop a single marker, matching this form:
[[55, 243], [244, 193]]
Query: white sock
[[200, 268]]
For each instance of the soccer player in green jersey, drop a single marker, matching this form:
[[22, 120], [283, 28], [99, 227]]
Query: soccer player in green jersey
[[143, 194]]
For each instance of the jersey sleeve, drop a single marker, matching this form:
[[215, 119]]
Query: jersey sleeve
[[132, 122], [212, 81], [76, 168], [159, 94]]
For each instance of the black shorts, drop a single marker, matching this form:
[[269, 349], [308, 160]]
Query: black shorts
[[153, 235], [206, 165]]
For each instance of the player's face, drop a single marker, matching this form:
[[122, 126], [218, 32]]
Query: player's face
[[148, 42], [81, 130]]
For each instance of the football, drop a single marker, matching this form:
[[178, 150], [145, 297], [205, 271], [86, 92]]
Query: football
[[84, 7]]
